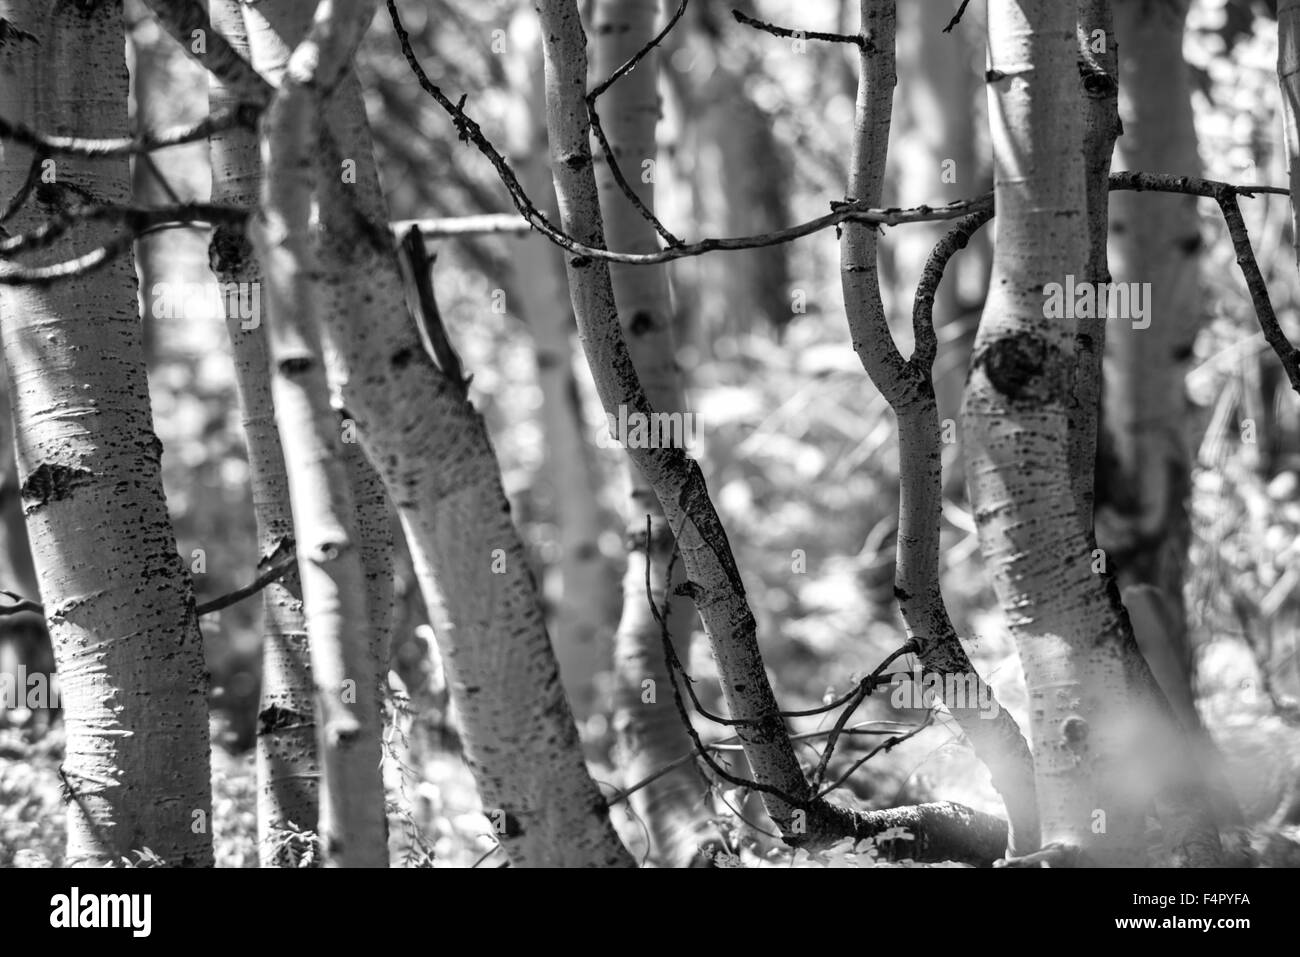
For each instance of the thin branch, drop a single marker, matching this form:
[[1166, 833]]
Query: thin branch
[[956, 17], [183, 19], [135, 219], [730, 743], [29, 184], [614, 168], [857, 39], [81, 265], [159, 178], [1056, 854], [868, 685], [670, 653], [416, 261], [883, 746], [841, 212], [20, 605], [273, 572], [487, 224], [244, 115], [957, 236], [1286, 353]]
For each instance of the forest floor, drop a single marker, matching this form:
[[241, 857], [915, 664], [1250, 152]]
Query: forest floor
[[436, 821]]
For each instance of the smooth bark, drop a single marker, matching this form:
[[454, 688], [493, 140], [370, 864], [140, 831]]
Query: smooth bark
[[287, 769], [674, 807], [120, 604]]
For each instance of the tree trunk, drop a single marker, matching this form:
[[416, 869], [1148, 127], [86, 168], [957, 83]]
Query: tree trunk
[[1288, 74], [908, 387], [287, 769], [1103, 747], [587, 608], [118, 601], [674, 807], [1098, 66], [433, 452], [330, 562], [1144, 479]]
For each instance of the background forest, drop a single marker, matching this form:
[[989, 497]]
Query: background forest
[[799, 448]]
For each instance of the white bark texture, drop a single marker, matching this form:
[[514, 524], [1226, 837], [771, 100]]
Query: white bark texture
[[352, 822], [588, 601], [713, 578], [909, 388], [1154, 238], [674, 807], [1103, 749], [119, 603], [1098, 64], [287, 769], [1288, 74], [432, 449]]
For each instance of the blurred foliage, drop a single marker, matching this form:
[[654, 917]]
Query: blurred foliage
[[798, 448]]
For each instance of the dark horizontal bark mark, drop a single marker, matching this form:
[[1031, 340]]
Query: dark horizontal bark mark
[[51, 483]]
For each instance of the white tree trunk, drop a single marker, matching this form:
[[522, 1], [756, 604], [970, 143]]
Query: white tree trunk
[[118, 600], [287, 769], [352, 823], [674, 806], [1103, 749], [433, 452]]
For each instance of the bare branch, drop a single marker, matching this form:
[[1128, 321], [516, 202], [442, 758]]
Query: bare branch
[[20, 605], [488, 224], [614, 168], [29, 184], [1286, 353], [273, 573], [857, 39], [186, 21], [956, 17], [244, 115]]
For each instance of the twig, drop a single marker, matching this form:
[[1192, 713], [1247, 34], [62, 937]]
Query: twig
[[1286, 353], [864, 689], [1057, 853], [956, 17], [483, 225], [923, 334], [159, 178], [85, 263], [274, 572], [134, 219], [20, 605], [857, 39], [471, 132], [244, 115], [614, 168], [182, 18], [415, 259], [883, 746], [729, 743], [661, 616], [20, 197]]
